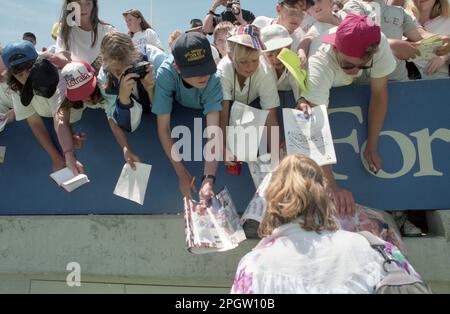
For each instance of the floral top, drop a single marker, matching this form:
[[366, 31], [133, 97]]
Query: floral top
[[293, 260]]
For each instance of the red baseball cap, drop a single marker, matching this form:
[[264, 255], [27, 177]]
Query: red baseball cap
[[354, 35], [80, 80]]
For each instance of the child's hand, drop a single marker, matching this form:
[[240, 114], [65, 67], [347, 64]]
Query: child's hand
[[78, 140]]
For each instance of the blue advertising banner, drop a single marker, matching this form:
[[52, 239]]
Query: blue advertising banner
[[414, 146]]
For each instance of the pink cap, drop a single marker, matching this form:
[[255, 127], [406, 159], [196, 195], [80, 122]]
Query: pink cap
[[354, 35], [80, 80]]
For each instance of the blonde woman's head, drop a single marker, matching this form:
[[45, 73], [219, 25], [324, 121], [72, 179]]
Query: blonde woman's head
[[119, 52], [297, 193]]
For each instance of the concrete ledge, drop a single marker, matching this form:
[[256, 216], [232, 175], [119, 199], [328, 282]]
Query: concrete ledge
[[150, 251]]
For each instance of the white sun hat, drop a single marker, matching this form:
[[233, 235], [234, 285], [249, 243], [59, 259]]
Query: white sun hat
[[275, 37]]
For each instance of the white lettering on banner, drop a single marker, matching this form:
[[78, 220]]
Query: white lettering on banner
[[407, 148], [408, 152], [352, 139], [424, 141]]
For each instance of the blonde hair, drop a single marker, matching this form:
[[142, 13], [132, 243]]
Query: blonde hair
[[241, 53], [119, 47], [440, 8], [173, 37], [137, 14], [297, 190], [222, 27]]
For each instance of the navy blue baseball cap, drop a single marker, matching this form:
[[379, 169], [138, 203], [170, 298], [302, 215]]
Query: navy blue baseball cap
[[193, 56], [18, 52]]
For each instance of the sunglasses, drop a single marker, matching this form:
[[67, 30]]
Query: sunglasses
[[350, 66]]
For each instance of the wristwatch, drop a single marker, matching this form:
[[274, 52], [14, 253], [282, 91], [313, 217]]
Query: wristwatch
[[209, 176]]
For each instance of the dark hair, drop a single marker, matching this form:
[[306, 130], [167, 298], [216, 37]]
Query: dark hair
[[294, 2], [96, 95], [65, 28], [137, 14], [11, 80], [28, 34]]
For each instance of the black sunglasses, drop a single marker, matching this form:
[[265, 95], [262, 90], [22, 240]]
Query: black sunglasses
[[352, 66]]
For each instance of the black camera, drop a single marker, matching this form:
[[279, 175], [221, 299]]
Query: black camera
[[140, 68], [231, 6]]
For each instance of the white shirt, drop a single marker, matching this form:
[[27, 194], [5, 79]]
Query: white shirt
[[44, 107], [5, 98], [261, 84], [297, 36], [440, 26], [296, 261], [80, 43], [286, 82], [215, 54], [317, 31], [147, 37], [325, 71]]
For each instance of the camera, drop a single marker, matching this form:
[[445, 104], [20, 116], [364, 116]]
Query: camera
[[231, 6], [140, 68]]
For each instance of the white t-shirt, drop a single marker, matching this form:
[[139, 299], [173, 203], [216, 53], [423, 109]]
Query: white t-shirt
[[297, 36], [5, 98], [317, 31], [215, 54], [307, 22], [440, 26], [325, 71], [147, 37], [261, 84], [44, 107], [80, 43], [286, 82]]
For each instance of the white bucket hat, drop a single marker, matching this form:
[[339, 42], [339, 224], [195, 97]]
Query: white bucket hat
[[275, 37]]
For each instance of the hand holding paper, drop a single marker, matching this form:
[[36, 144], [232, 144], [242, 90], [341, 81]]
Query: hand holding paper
[[292, 62]]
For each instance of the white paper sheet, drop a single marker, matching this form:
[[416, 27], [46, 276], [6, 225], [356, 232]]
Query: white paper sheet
[[251, 121], [309, 136], [132, 184]]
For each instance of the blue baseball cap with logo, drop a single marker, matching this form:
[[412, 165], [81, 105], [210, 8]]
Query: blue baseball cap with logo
[[193, 56], [18, 52]]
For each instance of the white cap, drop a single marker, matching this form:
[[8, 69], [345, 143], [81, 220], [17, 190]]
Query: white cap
[[275, 37]]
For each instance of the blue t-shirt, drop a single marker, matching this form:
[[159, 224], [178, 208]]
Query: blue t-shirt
[[169, 88]]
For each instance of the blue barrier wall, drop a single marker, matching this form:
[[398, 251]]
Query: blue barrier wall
[[417, 180]]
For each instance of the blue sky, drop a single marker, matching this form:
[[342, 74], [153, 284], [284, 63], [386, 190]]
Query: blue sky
[[19, 16]]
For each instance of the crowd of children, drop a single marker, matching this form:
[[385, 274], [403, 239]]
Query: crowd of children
[[336, 41]]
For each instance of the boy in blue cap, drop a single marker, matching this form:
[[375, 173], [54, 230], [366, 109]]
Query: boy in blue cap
[[188, 78]]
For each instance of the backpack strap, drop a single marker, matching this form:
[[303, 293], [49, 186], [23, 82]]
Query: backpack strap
[[378, 245]]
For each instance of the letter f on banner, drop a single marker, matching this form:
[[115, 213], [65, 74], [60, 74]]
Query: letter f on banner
[[74, 17], [73, 279]]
